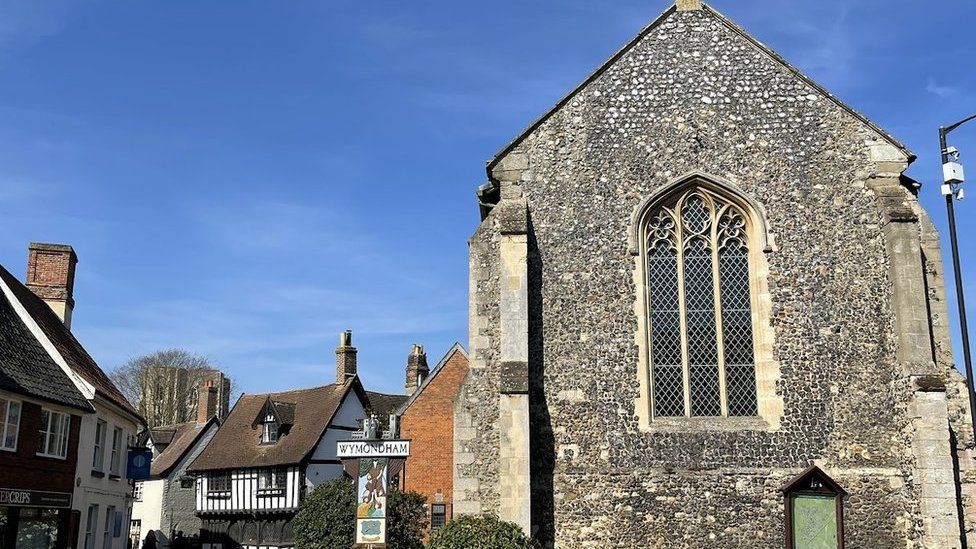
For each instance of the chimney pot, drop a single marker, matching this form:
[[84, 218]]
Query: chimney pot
[[345, 357], [417, 369], [51, 276]]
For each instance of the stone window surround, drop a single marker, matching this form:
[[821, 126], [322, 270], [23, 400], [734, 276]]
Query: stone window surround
[[770, 404]]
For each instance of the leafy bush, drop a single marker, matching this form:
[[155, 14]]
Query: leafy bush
[[407, 522], [326, 518], [479, 532]]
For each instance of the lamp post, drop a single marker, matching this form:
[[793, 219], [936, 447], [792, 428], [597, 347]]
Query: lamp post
[[952, 180]]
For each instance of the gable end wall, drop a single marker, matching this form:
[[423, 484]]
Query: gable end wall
[[696, 96]]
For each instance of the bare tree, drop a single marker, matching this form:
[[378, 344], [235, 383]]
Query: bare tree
[[163, 385]]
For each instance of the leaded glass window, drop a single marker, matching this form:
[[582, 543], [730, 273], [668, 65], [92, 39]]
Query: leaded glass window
[[699, 306]]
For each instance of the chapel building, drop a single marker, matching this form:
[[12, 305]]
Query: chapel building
[[707, 310]]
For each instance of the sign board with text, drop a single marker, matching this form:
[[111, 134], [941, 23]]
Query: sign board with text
[[12, 497], [373, 448], [373, 463]]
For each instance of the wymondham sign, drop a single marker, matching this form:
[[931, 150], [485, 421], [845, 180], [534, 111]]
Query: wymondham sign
[[372, 458], [373, 448]]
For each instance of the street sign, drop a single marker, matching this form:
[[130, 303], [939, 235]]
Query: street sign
[[370, 459], [373, 448]]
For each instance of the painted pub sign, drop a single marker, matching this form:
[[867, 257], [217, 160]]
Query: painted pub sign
[[372, 461]]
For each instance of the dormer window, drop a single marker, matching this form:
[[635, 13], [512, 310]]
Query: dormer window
[[274, 420], [269, 431]]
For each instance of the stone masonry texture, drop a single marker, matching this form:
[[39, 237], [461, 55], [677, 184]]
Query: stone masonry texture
[[694, 94]]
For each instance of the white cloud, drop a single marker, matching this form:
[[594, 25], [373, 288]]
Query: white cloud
[[259, 226], [939, 90]]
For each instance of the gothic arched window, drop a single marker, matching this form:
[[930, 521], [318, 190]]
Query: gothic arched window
[[696, 254]]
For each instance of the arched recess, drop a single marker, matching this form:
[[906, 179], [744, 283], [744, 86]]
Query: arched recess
[[723, 410]]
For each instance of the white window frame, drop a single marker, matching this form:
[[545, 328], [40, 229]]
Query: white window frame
[[714, 206], [98, 459], [135, 533], [272, 480], [270, 431], [137, 490], [116, 459], [109, 527], [53, 434], [91, 523], [442, 515], [6, 405]]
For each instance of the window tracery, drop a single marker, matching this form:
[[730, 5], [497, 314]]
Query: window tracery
[[699, 307]]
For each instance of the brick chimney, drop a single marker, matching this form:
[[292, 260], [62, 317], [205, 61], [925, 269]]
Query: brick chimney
[[206, 401], [417, 369], [345, 357], [51, 276]]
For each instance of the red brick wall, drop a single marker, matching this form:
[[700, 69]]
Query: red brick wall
[[429, 424], [51, 270], [24, 469]]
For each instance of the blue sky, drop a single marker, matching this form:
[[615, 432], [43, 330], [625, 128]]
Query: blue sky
[[246, 179]]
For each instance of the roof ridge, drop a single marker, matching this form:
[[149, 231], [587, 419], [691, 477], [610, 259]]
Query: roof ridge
[[301, 390], [173, 425]]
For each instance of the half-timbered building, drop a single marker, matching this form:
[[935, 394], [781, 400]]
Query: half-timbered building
[[272, 450]]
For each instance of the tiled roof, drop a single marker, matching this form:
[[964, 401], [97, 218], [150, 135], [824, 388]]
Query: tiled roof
[[179, 439], [382, 404], [164, 435], [64, 341], [286, 412], [237, 443], [27, 369]]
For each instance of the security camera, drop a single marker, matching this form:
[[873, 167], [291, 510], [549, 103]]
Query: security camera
[[953, 153]]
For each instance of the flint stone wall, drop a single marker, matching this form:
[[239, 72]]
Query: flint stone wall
[[693, 94]]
